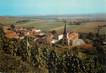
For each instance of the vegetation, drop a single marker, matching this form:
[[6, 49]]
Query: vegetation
[[28, 56], [52, 24]]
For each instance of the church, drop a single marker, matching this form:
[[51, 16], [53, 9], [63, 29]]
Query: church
[[69, 38]]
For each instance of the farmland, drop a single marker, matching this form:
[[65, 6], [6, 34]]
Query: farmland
[[51, 24], [31, 56]]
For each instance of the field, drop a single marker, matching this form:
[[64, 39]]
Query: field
[[52, 24], [16, 56]]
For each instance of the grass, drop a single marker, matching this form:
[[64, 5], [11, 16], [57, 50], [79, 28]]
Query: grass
[[48, 25]]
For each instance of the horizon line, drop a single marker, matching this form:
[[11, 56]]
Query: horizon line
[[52, 15]]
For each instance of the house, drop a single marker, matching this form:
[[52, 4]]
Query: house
[[78, 42], [10, 33]]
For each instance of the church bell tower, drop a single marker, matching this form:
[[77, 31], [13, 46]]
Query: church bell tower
[[65, 42]]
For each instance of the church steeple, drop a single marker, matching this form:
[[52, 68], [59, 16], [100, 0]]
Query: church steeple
[[65, 34], [65, 29]]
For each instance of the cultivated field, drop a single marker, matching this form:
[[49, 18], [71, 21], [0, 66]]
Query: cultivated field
[[51, 24], [17, 56]]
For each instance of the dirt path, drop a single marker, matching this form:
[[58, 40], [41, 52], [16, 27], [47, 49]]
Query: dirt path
[[58, 28]]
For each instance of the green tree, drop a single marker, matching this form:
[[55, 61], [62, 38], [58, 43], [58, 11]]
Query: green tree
[[1, 37]]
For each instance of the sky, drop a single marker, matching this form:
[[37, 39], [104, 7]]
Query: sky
[[51, 7]]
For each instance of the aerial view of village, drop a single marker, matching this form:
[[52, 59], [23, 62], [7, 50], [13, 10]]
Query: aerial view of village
[[53, 36]]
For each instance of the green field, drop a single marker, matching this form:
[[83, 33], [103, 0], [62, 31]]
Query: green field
[[51, 24]]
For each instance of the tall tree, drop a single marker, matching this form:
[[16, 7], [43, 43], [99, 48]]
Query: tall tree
[[1, 37]]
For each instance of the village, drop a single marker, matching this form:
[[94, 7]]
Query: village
[[71, 38], [52, 36], [47, 51]]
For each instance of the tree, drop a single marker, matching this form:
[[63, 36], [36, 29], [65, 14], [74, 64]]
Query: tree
[[1, 37]]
